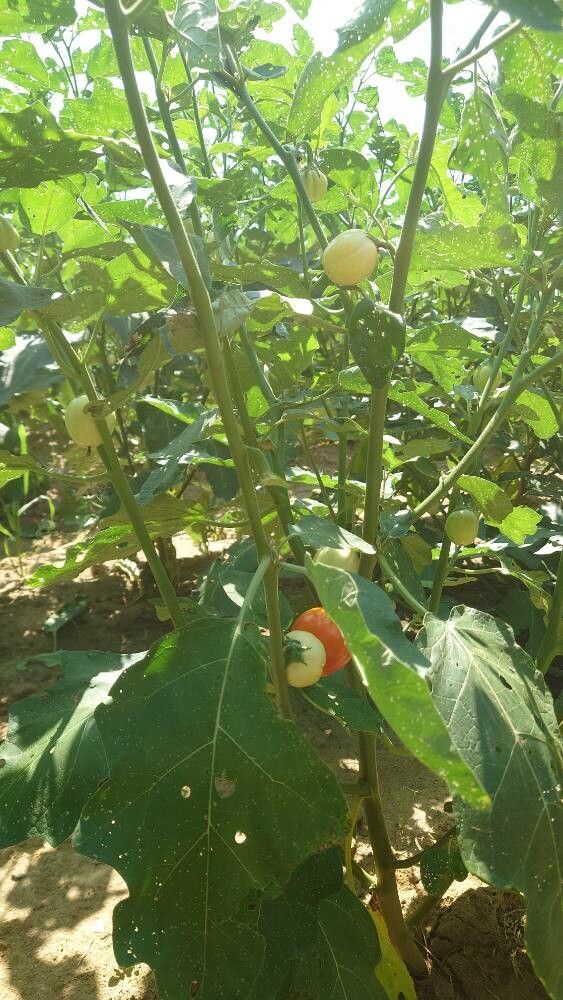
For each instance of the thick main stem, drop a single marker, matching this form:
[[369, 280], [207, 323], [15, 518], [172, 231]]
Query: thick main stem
[[202, 303], [441, 574], [387, 891]]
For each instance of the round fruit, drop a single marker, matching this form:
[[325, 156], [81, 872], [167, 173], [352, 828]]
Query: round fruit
[[9, 237], [81, 426], [314, 182], [350, 257], [307, 658], [462, 526], [343, 558], [317, 622], [481, 376]]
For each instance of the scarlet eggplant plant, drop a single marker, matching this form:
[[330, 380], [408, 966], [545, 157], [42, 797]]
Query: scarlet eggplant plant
[[248, 240]]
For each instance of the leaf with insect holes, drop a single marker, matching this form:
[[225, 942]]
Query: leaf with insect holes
[[388, 664], [53, 758], [211, 798], [500, 716]]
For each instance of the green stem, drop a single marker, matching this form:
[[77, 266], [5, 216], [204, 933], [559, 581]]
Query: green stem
[[202, 303], [313, 464], [383, 857], [415, 858], [170, 131], [399, 586], [552, 641], [374, 476], [516, 387], [442, 568], [279, 496]]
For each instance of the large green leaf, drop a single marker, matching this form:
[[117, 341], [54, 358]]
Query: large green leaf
[[53, 758], [196, 23], [211, 798], [542, 14], [500, 716], [35, 15], [323, 75], [388, 664], [342, 963], [34, 148], [14, 298], [114, 538]]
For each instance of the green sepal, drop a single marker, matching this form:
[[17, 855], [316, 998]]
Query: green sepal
[[377, 340]]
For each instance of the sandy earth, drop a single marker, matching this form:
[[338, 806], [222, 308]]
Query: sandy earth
[[56, 907]]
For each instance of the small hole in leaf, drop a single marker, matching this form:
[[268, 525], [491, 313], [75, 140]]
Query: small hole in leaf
[[240, 837], [185, 791], [505, 682]]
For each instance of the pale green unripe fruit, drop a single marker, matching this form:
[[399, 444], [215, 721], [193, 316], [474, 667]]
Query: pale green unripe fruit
[[481, 377], [314, 182], [81, 426], [343, 558], [462, 526]]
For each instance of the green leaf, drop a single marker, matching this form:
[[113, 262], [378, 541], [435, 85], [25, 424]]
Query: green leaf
[[48, 207], [318, 531], [446, 252], [53, 757], [490, 499], [34, 148], [377, 341], [342, 963], [196, 24], [520, 524], [103, 112], [542, 14], [387, 663], [226, 808], [263, 273], [20, 63], [35, 15], [174, 457], [165, 516], [536, 412], [289, 924], [14, 298], [482, 148], [335, 698], [500, 716]]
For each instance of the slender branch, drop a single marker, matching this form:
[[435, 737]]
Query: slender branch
[[552, 641], [313, 464], [415, 858], [202, 303], [435, 92], [442, 568], [514, 390], [476, 38], [454, 68], [169, 128], [399, 586]]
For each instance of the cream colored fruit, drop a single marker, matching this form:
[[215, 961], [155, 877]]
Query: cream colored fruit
[[350, 257], [308, 669], [315, 183], [81, 426]]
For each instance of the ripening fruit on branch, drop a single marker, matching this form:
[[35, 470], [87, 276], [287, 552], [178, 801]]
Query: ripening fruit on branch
[[9, 237], [81, 426], [481, 376], [320, 625], [343, 558], [350, 257], [462, 526], [306, 658], [314, 182]]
